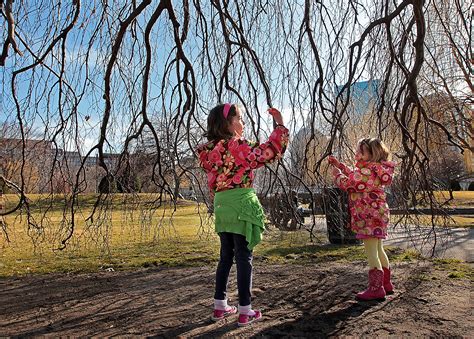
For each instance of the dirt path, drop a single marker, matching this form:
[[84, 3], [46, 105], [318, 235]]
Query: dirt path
[[303, 301]]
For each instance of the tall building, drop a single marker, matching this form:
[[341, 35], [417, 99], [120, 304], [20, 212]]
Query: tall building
[[364, 96]]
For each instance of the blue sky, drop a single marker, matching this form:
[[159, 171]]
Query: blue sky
[[277, 55]]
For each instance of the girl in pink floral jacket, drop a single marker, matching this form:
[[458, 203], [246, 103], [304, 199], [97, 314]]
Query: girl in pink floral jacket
[[368, 208], [229, 161]]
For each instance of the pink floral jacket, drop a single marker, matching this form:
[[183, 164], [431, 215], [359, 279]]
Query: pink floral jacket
[[367, 201], [230, 163]]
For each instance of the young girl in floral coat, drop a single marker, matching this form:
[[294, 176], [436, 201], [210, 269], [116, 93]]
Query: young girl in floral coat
[[229, 161], [368, 208]]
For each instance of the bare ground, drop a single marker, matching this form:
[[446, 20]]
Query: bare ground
[[311, 300]]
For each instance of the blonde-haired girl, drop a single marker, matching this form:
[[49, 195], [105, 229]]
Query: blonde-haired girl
[[368, 207]]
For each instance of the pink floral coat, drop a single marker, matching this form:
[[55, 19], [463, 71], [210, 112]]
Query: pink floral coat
[[231, 163], [367, 201]]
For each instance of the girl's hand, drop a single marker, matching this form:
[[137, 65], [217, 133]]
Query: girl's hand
[[276, 115], [333, 161]]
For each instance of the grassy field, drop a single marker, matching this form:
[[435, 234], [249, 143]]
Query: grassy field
[[134, 231], [461, 199], [426, 220]]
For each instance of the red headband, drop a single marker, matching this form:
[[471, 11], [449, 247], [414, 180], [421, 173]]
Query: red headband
[[226, 110]]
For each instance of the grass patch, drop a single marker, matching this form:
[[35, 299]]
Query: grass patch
[[312, 253], [447, 269], [455, 269], [402, 255], [135, 235], [460, 198], [462, 221], [59, 202], [125, 236], [452, 221], [299, 250], [440, 221]]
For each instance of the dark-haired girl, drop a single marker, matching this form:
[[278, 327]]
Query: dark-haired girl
[[229, 161]]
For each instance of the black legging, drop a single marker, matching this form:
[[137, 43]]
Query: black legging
[[234, 245]]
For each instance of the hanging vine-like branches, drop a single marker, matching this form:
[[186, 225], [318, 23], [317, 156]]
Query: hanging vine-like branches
[[119, 92]]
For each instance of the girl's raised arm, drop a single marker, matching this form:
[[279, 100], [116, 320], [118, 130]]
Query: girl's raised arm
[[254, 154]]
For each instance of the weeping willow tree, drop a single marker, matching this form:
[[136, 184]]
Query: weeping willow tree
[[126, 86]]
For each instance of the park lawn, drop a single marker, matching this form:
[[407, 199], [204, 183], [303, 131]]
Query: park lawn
[[133, 234], [123, 242], [128, 239], [440, 221], [461, 199], [464, 221]]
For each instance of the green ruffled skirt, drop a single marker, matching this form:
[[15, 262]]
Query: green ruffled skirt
[[239, 211]]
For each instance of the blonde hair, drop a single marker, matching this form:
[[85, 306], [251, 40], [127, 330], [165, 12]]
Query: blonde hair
[[378, 151]]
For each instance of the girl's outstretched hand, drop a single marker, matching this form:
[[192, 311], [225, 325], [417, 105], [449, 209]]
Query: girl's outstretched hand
[[336, 171], [333, 161], [276, 115]]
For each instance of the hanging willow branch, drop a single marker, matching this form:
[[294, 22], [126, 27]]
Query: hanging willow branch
[[126, 90]]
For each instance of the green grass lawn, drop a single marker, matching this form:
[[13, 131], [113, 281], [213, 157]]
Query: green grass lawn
[[425, 220], [461, 198], [135, 232]]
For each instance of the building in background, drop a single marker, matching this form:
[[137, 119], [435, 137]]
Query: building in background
[[37, 166], [363, 97], [47, 169]]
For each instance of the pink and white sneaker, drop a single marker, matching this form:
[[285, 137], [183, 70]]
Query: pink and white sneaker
[[221, 314], [245, 319]]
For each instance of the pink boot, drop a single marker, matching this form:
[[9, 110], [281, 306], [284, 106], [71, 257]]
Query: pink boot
[[375, 291], [387, 284]]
